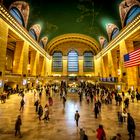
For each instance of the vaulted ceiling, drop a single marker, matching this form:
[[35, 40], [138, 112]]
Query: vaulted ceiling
[[58, 17]]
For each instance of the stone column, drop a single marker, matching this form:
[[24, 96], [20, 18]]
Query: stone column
[[131, 72], [65, 65], [34, 62], [42, 65], [98, 67], [112, 63], [3, 47], [46, 63], [25, 58], [21, 58], [102, 68], [37, 60], [18, 57], [105, 66], [80, 65], [49, 66], [115, 63]]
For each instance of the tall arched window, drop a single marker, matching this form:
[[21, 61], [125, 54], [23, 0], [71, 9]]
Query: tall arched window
[[73, 61], [57, 63], [88, 62], [132, 14], [105, 43], [41, 44], [17, 15], [33, 34], [114, 33]]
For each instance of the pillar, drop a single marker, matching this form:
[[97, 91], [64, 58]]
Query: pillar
[[34, 62], [105, 66], [25, 58], [49, 66], [42, 66], [21, 58], [46, 65], [131, 72], [98, 67], [81, 65], [3, 47], [112, 63], [65, 65]]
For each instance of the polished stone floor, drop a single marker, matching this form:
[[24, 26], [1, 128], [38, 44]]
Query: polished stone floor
[[62, 125]]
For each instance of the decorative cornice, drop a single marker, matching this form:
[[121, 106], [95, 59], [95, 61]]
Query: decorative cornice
[[124, 34], [74, 37], [5, 15]]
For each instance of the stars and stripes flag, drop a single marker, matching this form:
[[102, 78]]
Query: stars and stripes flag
[[132, 59]]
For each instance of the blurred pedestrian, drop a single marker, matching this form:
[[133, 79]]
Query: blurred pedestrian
[[17, 126], [76, 117], [22, 102], [64, 101], [40, 112], [131, 127], [101, 133]]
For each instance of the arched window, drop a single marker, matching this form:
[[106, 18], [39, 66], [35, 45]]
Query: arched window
[[132, 14], [105, 43], [57, 65], [88, 62], [73, 61], [33, 34], [17, 15], [41, 44], [115, 32]]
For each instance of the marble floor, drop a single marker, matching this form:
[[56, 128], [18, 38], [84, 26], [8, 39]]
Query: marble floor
[[62, 125]]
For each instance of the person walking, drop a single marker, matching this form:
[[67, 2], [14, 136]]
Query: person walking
[[40, 94], [76, 117], [80, 96], [85, 137], [101, 133], [64, 101], [36, 104], [82, 132], [17, 126], [46, 113], [131, 127], [96, 110], [22, 104], [40, 112], [50, 101]]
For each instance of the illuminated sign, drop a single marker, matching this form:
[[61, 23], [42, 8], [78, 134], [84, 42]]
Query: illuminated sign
[[1, 84], [24, 82]]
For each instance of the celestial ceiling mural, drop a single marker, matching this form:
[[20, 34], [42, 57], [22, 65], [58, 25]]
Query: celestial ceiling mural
[[57, 17]]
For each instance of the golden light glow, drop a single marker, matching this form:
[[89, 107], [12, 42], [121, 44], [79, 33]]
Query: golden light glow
[[59, 75], [28, 67], [88, 75], [13, 62], [119, 72], [72, 74]]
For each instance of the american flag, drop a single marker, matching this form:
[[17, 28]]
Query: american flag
[[132, 59]]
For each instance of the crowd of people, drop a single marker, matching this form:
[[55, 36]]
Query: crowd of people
[[93, 94]]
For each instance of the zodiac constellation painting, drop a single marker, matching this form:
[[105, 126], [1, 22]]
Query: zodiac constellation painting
[[88, 11]]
